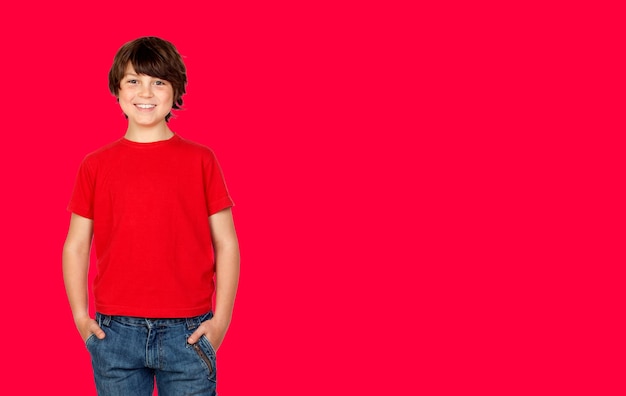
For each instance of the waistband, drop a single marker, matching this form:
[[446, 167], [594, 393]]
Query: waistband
[[191, 323]]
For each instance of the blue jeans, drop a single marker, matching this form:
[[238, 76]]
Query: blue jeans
[[135, 351]]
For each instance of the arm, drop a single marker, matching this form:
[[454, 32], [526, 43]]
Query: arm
[[76, 252], [226, 249]]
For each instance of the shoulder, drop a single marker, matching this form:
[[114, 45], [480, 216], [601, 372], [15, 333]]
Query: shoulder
[[196, 148], [104, 151]]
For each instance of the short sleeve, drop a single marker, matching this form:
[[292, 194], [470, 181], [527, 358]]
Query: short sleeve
[[81, 201], [216, 192]]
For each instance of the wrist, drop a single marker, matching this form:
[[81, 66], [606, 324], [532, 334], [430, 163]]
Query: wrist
[[81, 317], [221, 321]]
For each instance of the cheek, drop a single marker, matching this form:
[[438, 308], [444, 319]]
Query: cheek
[[168, 99], [122, 100], [122, 97]]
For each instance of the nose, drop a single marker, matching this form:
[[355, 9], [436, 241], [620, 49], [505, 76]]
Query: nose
[[145, 91]]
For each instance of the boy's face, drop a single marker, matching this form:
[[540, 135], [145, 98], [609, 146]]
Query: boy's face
[[145, 100]]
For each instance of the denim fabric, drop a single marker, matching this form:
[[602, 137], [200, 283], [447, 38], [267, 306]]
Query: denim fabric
[[135, 351]]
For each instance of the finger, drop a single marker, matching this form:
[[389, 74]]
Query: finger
[[97, 331], [193, 338]]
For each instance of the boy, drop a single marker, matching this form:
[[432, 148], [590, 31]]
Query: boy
[[159, 212]]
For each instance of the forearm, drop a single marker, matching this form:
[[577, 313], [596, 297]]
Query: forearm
[[226, 250], [75, 277], [227, 280]]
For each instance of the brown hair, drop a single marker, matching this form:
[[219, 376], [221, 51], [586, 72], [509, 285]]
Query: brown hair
[[154, 57]]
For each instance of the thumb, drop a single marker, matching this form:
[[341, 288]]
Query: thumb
[[97, 331], [193, 338]]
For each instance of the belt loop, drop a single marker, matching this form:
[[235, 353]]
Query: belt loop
[[104, 320], [192, 323]]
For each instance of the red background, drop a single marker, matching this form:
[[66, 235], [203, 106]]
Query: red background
[[429, 199]]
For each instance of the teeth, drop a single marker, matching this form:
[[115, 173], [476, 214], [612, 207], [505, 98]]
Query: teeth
[[145, 106]]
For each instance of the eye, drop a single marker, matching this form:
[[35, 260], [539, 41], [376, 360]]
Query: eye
[[132, 81], [159, 82]]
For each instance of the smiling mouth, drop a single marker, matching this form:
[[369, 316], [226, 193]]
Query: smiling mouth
[[145, 106]]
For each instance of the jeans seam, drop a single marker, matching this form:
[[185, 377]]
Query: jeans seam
[[203, 356]]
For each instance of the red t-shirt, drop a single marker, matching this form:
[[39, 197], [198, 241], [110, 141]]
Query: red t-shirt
[[150, 204]]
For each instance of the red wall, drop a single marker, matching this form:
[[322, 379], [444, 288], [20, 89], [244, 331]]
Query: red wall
[[428, 198]]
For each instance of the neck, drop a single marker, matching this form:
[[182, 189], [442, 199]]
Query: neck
[[142, 134]]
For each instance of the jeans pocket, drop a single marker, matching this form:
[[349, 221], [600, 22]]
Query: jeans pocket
[[207, 358], [89, 340]]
